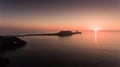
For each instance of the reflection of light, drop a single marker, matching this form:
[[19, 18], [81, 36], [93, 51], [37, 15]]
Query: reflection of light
[[95, 36]]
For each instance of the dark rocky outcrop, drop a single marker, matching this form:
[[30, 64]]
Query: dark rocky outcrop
[[61, 34], [7, 44], [67, 33]]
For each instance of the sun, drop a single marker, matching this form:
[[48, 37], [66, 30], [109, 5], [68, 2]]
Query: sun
[[95, 29]]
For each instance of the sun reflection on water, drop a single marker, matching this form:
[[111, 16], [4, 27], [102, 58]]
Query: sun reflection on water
[[95, 37], [95, 34]]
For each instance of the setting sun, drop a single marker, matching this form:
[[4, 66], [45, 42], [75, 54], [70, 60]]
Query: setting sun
[[95, 29]]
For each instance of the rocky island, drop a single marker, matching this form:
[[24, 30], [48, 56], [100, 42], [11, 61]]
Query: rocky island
[[61, 33]]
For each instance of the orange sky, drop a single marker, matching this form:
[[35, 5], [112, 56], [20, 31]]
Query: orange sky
[[76, 18]]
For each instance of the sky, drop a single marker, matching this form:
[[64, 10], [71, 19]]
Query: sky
[[55, 15]]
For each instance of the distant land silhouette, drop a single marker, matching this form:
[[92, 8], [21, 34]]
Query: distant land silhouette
[[61, 34]]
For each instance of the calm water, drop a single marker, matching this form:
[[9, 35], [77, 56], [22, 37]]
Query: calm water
[[90, 49]]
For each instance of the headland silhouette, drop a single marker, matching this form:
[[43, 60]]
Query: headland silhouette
[[60, 34], [7, 44]]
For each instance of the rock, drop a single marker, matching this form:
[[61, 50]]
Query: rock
[[8, 42]]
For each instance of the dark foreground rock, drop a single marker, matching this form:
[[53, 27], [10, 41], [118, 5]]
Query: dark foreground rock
[[7, 44]]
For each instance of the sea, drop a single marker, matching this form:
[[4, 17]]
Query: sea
[[89, 49]]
